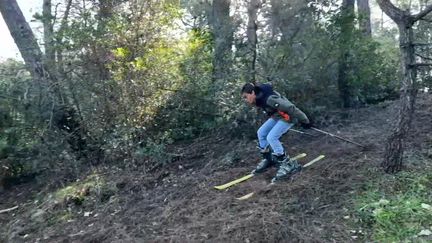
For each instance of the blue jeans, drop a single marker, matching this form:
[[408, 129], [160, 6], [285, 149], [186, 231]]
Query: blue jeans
[[270, 132]]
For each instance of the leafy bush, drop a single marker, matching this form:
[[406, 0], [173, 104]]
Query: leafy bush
[[155, 152], [16, 137]]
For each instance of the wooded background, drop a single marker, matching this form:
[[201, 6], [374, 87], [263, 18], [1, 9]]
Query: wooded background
[[110, 81]]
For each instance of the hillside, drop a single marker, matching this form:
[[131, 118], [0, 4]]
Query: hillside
[[177, 202]]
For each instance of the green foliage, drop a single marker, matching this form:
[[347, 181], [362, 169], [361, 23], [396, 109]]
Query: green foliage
[[397, 208], [374, 75], [127, 70], [27, 144], [17, 129], [190, 109], [139, 75], [371, 66], [78, 191], [306, 66], [155, 151]]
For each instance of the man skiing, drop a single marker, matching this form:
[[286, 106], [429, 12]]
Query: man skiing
[[282, 116]]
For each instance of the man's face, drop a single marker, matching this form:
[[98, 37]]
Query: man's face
[[249, 98]]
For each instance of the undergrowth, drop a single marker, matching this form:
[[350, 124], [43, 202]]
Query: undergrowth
[[397, 208]]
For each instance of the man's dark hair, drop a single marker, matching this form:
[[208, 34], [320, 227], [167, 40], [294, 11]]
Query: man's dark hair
[[248, 88]]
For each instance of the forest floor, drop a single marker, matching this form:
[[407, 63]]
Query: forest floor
[[177, 202]]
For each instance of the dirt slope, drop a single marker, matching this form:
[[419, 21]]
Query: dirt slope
[[178, 202]]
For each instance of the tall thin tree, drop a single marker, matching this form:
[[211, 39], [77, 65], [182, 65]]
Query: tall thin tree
[[346, 23], [24, 39], [363, 10], [251, 32], [48, 26], [405, 20], [223, 32], [63, 116]]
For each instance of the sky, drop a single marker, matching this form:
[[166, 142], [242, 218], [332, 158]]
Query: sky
[[8, 49]]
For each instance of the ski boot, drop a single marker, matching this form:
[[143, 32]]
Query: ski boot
[[287, 167], [266, 162]]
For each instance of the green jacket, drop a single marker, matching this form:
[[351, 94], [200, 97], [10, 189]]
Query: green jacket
[[276, 102]]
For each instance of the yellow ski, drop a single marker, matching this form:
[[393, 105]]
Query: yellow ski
[[246, 177], [249, 195], [231, 183], [314, 160]]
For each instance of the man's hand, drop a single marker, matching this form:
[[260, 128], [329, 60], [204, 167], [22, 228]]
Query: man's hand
[[306, 125]]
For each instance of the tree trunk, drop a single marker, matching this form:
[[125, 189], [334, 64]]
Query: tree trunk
[[251, 32], [47, 20], [395, 144], [222, 29], [364, 17], [346, 27], [59, 41], [29, 48], [394, 148], [24, 39], [63, 116], [106, 8], [284, 19], [60, 63]]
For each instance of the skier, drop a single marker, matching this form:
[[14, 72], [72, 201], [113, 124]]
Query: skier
[[282, 116]]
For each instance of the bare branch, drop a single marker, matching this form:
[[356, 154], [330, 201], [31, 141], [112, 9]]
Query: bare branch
[[421, 65], [423, 13], [427, 20], [55, 14], [8, 209], [422, 44], [8, 97], [426, 58], [391, 10], [65, 18]]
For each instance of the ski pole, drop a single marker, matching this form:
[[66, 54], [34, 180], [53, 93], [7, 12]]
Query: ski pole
[[336, 136], [304, 133]]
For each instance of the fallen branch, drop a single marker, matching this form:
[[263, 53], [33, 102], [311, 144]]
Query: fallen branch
[[8, 209]]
